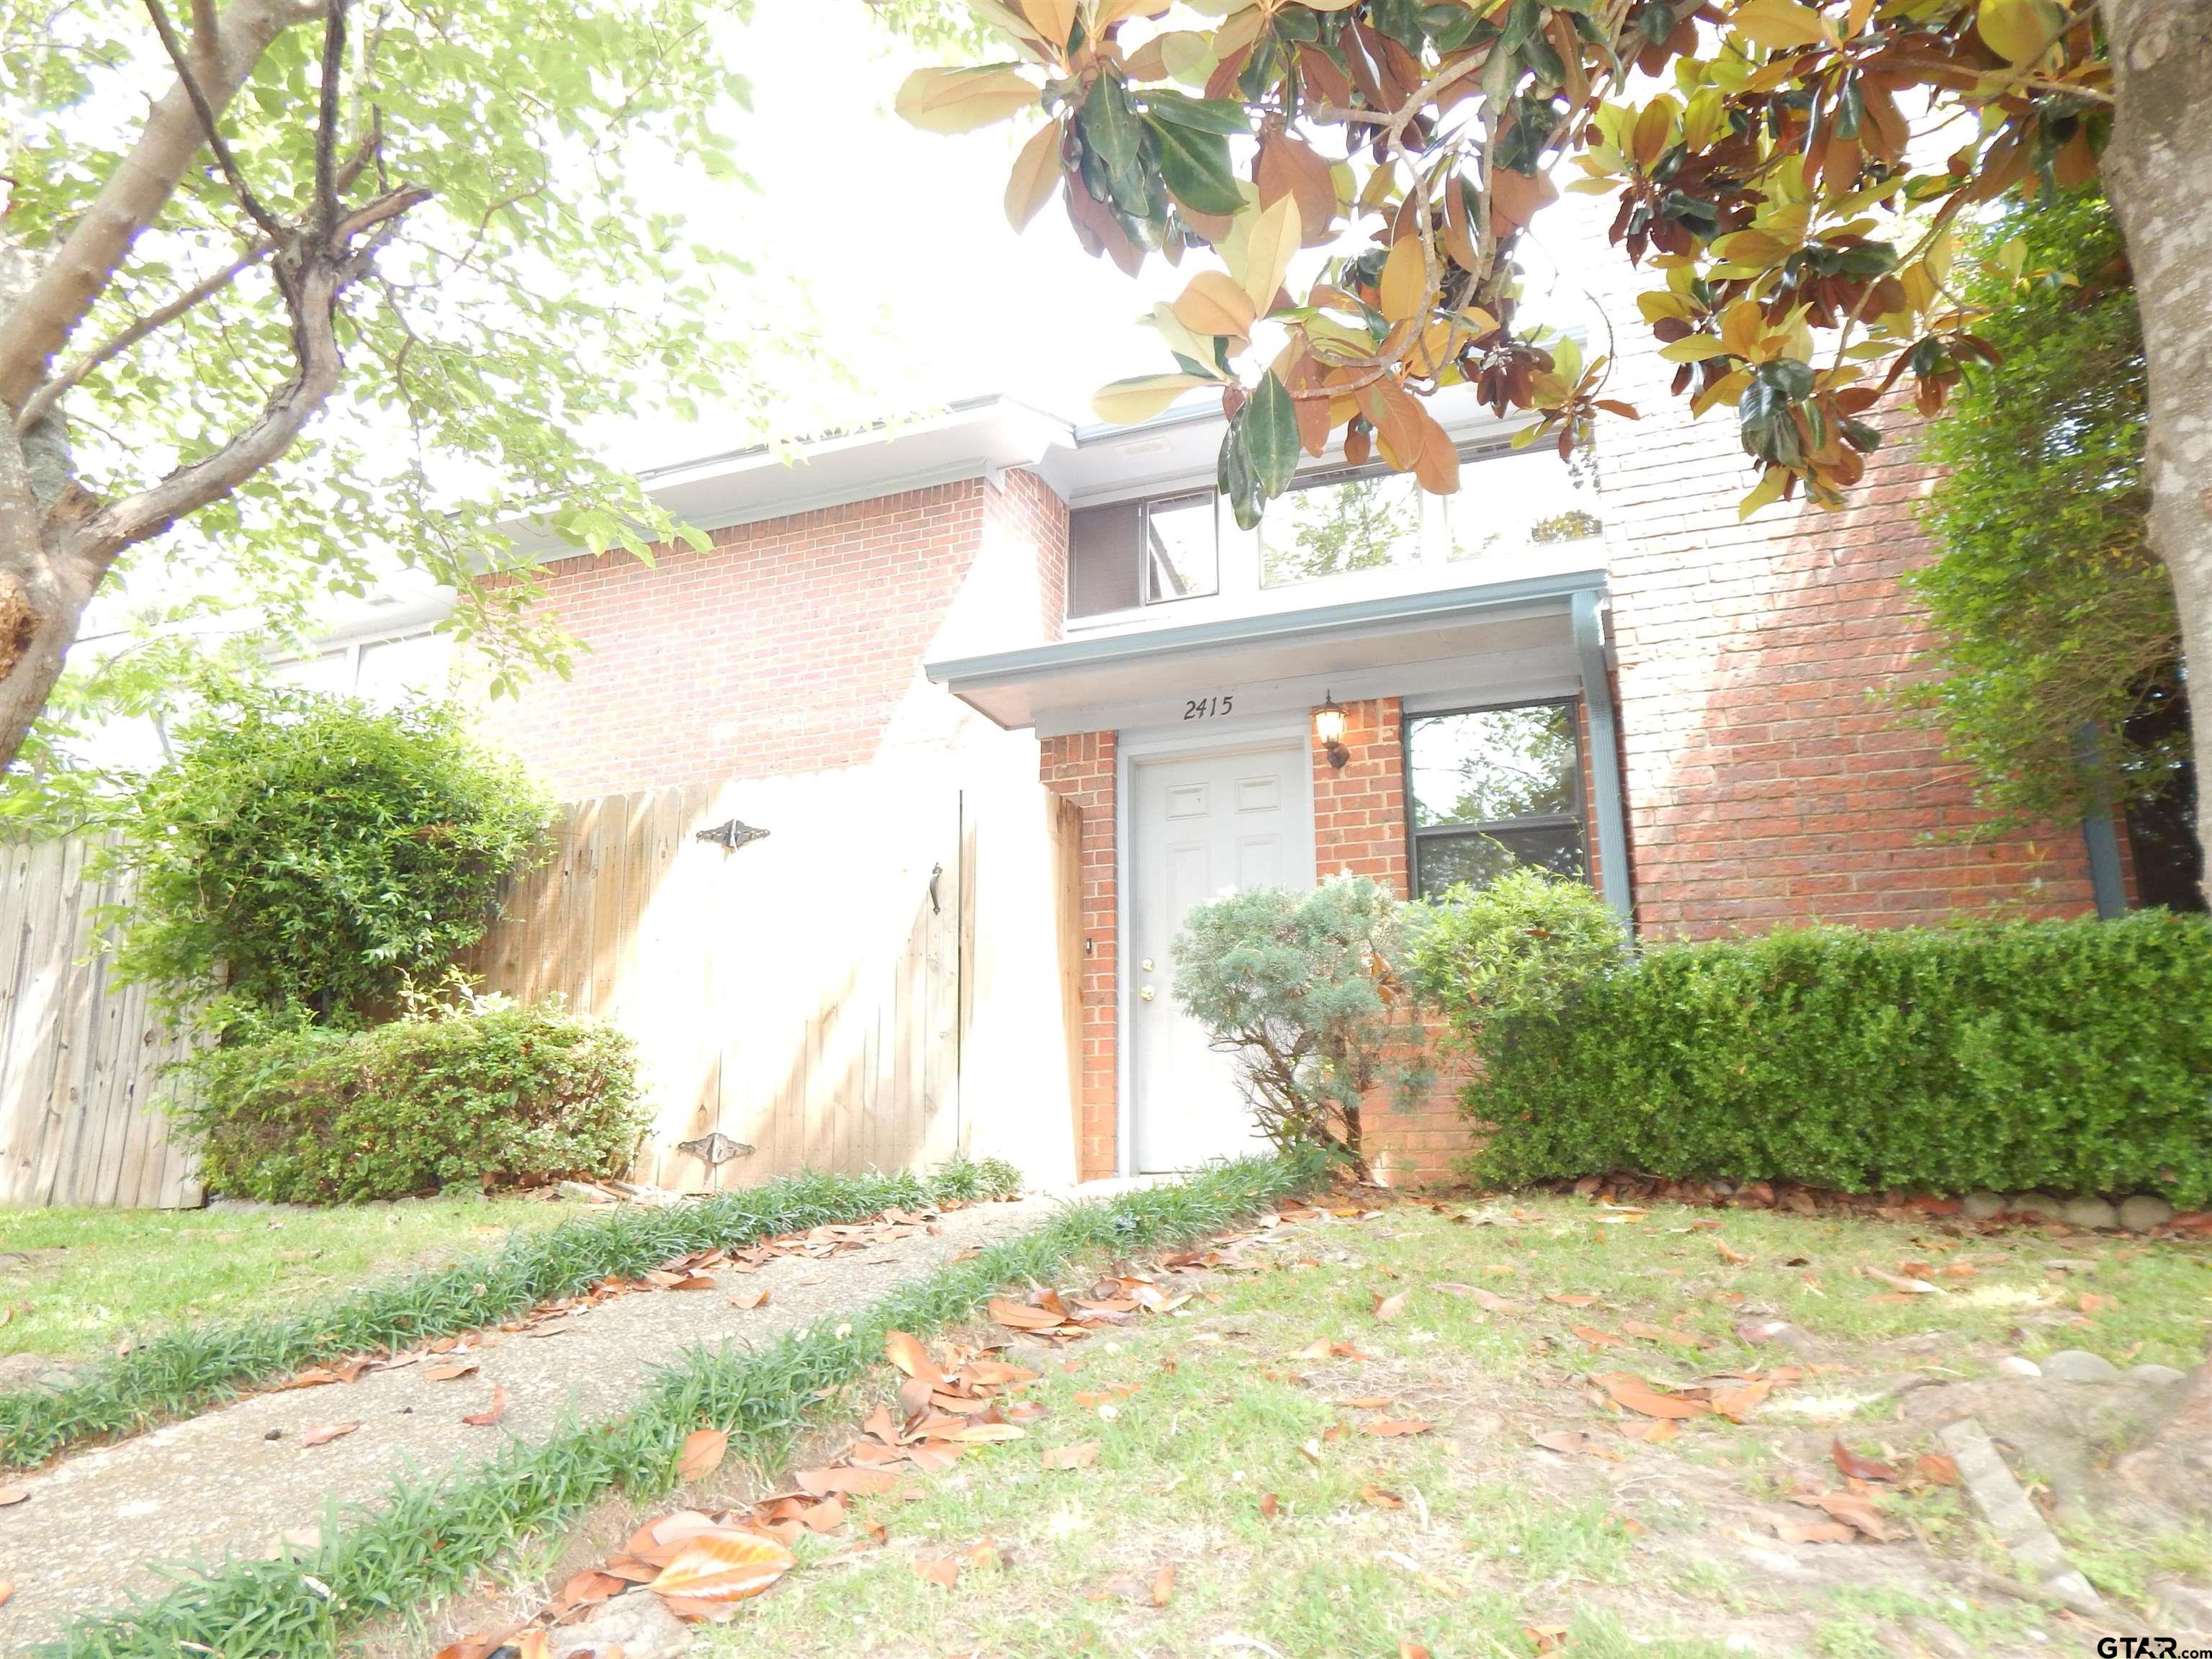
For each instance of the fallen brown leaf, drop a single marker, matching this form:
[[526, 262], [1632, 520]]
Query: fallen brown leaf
[[1163, 1586], [1380, 1498], [327, 1432], [1854, 1511], [1391, 1428], [756, 1297], [7, 1590], [1596, 1338], [1813, 1532], [703, 1453], [1637, 1395], [1020, 1316], [1080, 1455], [723, 1566], [944, 1571], [491, 1413], [1936, 1469], [1566, 1442], [1856, 1467], [449, 1373], [1387, 1308], [11, 1496]]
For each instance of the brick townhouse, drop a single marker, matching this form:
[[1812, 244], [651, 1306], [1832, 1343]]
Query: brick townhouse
[[1598, 669]]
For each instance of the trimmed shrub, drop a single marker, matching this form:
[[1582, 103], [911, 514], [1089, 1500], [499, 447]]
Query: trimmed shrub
[[307, 853], [2075, 1056], [497, 1092], [1302, 990], [1521, 948]]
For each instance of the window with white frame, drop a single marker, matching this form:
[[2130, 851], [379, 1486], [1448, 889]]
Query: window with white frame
[[1331, 523], [385, 672], [1490, 789]]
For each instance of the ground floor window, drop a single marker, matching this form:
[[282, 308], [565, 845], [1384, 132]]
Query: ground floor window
[[1491, 788]]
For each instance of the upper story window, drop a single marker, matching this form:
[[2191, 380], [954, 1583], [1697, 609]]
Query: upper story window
[[1332, 523], [385, 672], [1491, 788]]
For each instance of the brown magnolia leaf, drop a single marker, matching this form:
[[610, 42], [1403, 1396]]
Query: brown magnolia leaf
[[1391, 1428], [1729, 1253], [756, 1297], [448, 1373], [11, 1496], [1380, 1498], [1644, 1331], [1163, 1586], [1270, 1505], [491, 1413], [588, 1589], [7, 1590], [1637, 1395], [1080, 1455], [327, 1432], [1901, 1282], [1936, 1469], [1567, 1442], [851, 1480], [944, 1571], [314, 1376], [533, 1644], [1366, 1402], [1412, 1649], [2095, 1305], [1387, 1308], [1855, 1511], [905, 1351], [1596, 1338], [724, 1566], [1656, 1432], [1569, 1298], [1020, 1316], [1813, 1532], [1856, 1467], [988, 1433], [1737, 1403], [703, 1453]]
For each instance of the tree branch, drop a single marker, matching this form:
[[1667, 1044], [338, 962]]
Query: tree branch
[[326, 122], [41, 402], [271, 227], [56, 303]]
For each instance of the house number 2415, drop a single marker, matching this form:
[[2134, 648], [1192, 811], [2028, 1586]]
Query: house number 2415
[[1208, 708]]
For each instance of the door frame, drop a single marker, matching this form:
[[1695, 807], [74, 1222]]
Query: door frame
[[1232, 736]]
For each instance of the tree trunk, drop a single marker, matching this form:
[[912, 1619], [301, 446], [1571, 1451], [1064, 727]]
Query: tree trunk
[[2158, 172]]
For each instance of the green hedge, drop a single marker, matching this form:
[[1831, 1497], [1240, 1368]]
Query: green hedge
[[2071, 1056], [315, 1115]]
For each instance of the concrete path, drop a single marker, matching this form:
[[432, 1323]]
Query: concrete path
[[239, 1479]]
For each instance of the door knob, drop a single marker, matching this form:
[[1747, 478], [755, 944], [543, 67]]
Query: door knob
[[1145, 993]]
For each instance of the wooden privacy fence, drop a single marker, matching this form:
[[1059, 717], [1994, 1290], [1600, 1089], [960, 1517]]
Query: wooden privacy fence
[[805, 998], [81, 1064]]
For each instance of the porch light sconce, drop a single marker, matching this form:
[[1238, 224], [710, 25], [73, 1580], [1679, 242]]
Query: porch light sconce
[[1328, 729]]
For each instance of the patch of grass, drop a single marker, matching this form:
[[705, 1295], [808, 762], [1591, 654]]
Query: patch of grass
[[2122, 1562], [200, 1365], [431, 1538], [81, 1281]]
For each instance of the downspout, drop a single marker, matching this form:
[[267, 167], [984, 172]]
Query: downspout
[[2100, 836], [1608, 808]]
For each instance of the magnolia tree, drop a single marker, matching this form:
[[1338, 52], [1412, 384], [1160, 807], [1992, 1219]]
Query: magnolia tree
[[1789, 176], [421, 221]]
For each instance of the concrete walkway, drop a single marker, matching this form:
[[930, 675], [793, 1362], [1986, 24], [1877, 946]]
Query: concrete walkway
[[239, 1479]]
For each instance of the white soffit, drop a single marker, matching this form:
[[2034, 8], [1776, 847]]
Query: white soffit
[[1513, 631]]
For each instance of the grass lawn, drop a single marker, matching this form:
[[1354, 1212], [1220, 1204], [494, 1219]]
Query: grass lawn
[[76, 1282], [1239, 1502]]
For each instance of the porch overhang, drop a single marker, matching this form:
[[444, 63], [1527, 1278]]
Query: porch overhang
[[1451, 639]]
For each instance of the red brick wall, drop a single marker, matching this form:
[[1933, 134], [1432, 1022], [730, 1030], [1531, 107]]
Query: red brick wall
[[793, 645], [1360, 812], [1767, 780], [1081, 768]]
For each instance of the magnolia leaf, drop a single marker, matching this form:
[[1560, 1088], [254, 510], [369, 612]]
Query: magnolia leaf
[[1054, 20], [960, 100], [2019, 31], [1126, 403], [1693, 349], [703, 1453], [1271, 433], [1767, 491], [1214, 304], [1405, 281], [724, 1566], [1272, 238], [1194, 167], [1036, 175], [1779, 25]]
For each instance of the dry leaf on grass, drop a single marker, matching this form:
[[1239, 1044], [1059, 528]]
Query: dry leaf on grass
[[849, 1480], [1854, 1512], [1567, 1442], [1387, 1308], [1411, 1650], [1391, 1428], [1596, 1338], [1569, 1298], [323, 1435], [1020, 1316], [491, 1413], [703, 1453], [1729, 1253], [944, 1571], [1634, 1394], [1657, 1432], [1080, 1455], [1936, 1469], [1380, 1498], [1163, 1586], [1856, 1467], [1902, 1282], [722, 1567]]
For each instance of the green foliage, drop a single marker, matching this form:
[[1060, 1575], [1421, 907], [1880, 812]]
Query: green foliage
[[1518, 949], [2054, 614], [325, 853], [190, 1369], [428, 1539], [504, 1093], [2066, 1055], [1301, 987]]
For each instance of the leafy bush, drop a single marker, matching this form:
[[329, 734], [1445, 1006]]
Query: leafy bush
[[315, 1115], [322, 852], [1519, 948], [1301, 988], [2075, 1056]]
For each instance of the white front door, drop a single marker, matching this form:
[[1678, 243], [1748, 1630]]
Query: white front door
[[1198, 827]]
